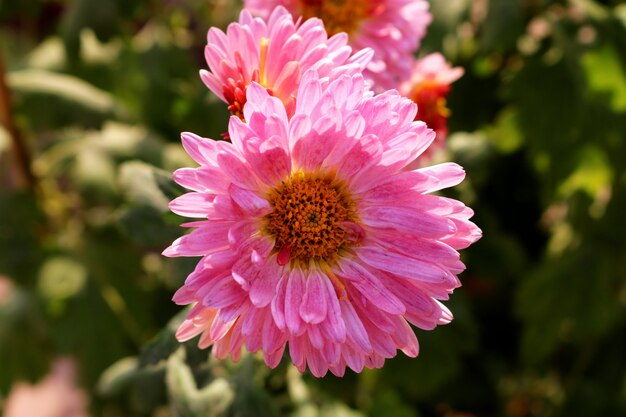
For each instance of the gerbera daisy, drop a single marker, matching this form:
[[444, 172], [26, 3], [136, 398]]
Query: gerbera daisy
[[314, 236], [428, 88], [274, 53], [392, 28]]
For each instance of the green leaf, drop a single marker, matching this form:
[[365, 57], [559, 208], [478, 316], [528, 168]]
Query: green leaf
[[140, 185], [606, 76], [164, 343], [117, 377], [250, 394], [65, 88], [569, 299], [146, 226], [186, 399]]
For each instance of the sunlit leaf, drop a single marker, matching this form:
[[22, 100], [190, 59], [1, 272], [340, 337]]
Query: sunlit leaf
[[187, 400], [606, 76]]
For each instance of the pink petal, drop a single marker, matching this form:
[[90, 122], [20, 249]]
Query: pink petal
[[192, 204], [293, 301], [333, 327], [249, 201], [355, 331], [263, 288], [371, 287], [408, 220], [313, 307], [403, 266], [278, 304], [200, 241]]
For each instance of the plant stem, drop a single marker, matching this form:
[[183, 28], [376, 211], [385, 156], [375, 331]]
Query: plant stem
[[22, 153]]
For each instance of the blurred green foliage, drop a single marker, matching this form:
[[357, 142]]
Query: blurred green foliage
[[101, 90]]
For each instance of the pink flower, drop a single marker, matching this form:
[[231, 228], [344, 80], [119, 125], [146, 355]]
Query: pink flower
[[428, 88], [313, 235], [274, 53], [54, 396], [6, 290], [392, 28]]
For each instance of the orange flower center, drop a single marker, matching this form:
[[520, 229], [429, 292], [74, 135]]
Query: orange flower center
[[313, 218], [430, 98], [338, 15]]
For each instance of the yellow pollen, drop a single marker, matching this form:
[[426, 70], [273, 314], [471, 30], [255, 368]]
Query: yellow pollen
[[338, 15], [263, 60], [308, 211]]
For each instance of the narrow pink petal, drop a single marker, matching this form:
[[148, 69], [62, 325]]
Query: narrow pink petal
[[382, 343], [200, 241], [407, 220], [200, 149], [317, 364], [333, 327], [187, 331], [251, 330], [447, 175], [224, 293], [401, 265], [361, 304], [259, 101], [234, 310], [313, 307], [193, 204], [278, 304], [184, 296], [315, 337], [355, 331], [391, 187], [287, 81], [293, 301], [213, 83], [312, 90], [404, 337], [249, 201], [331, 353], [298, 350], [236, 171], [422, 311], [428, 250], [371, 287], [273, 359], [263, 288], [219, 329], [273, 339], [339, 370], [299, 126], [206, 179], [355, 360]]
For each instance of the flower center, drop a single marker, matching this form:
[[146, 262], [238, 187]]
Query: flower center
[[338, 15], [313, 218], [430, 98]]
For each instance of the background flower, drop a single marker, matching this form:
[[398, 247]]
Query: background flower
[[273, 53], [428, 87], [392, 28], [54, 396], [315, 234]]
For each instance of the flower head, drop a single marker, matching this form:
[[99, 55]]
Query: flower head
[[314, 235], [392, 28], [273, 53], [428, 88]]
